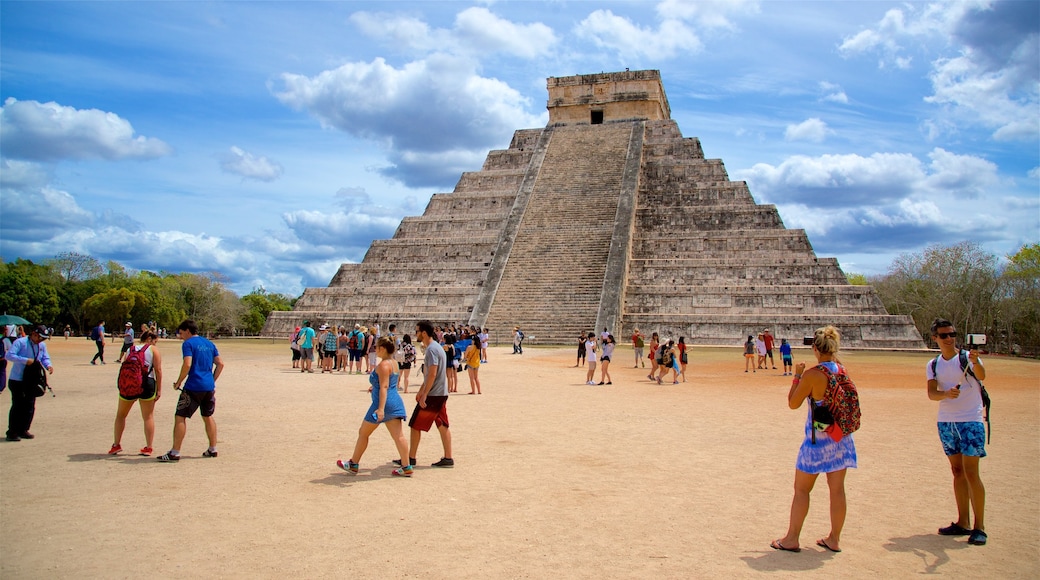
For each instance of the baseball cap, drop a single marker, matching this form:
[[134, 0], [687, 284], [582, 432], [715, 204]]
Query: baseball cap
[[41, 330]]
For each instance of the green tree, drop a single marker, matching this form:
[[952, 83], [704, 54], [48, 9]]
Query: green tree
[[1019, 304], [29, 290], [957, 282], [258, 306], [113, 305], [857, 279]]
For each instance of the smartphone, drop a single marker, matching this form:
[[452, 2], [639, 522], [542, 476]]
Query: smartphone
[[974, 339], [808, 340]]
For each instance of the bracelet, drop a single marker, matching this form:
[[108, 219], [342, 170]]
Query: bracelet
[[797, 377]]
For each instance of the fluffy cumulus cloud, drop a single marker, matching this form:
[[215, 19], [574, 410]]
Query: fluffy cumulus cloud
[[676, 30], [417, 112], [888, 201], [813, 130], [249, 166], [477, 31], [51, 132], [989, 74], [833, 93]]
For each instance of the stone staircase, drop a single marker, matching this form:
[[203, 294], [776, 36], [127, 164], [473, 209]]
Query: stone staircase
[[553, 282]]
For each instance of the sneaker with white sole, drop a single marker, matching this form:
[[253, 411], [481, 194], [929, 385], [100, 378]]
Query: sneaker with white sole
[[350, 467], [445, 462]]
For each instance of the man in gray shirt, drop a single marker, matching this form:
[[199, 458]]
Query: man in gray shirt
[[432, 399]]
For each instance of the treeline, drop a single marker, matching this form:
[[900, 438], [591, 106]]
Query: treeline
[[79, 291], [973, 289]]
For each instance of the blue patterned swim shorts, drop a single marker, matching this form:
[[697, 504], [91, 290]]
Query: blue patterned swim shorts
[[968, 438]]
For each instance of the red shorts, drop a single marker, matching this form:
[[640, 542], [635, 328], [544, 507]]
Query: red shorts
[[435, 413]]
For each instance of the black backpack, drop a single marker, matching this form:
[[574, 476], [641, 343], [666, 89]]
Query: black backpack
[[962, 358]]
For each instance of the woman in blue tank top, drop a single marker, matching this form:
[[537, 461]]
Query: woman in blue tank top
[[387, 408]]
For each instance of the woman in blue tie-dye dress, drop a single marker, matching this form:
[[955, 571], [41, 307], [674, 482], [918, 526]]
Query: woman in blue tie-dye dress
[[819, 453]]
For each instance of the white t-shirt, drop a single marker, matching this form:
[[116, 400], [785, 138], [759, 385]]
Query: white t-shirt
[[968, 406], [590, 351]]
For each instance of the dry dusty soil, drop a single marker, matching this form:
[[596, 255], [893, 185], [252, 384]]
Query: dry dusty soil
[[553, 478]]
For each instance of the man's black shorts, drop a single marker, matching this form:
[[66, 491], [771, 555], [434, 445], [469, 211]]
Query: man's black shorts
[[192, 400]]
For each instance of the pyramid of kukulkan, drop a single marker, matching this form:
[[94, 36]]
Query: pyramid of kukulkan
[[606, 218]]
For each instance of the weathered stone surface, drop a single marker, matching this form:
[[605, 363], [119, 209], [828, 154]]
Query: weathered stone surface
[[607, 217]]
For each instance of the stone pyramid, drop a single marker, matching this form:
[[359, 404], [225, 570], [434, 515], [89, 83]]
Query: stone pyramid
[[606, 218]]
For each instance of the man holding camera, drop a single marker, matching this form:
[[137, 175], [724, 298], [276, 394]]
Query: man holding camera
[[961, 431]]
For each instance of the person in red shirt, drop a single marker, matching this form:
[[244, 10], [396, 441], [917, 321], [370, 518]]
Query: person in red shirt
[[768, 337]]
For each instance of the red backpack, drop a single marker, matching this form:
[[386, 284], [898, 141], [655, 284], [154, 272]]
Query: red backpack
[[842, 398], [132, 373]]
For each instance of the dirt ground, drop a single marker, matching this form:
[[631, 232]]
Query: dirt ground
[[553, 478]]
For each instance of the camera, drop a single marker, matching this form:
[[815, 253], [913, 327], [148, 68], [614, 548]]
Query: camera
[[974, 339], [808, 340]]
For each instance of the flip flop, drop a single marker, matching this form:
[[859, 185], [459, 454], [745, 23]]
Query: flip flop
[[776, 545], [823, 544]]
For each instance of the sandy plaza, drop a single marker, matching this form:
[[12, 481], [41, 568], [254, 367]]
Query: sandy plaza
[[553, 478]]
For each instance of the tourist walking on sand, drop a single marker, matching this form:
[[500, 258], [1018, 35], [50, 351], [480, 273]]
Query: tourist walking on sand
[[97, 334], [151, 390], [819, 453], [431, 402], [767, 337], [341, 350], [472, 356], [581, 350], [408, 352], [373, 336], [29, 360], [590, 354], [760, 349], [386, 408], [604, 360], [331, 345], [637, 347], [451, 354], [749, 354], [954, 379], [668, 360], [683, 361], [294, 346], [128, 341], [785, 355], [306, 339], [655, 345], [199, 373], [484, 337]]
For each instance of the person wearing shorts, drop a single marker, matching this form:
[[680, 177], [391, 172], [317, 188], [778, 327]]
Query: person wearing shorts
[[151, 390], [199, 373], [960, 426], [431, 402]]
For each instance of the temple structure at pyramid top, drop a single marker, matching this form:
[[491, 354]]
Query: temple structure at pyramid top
[[606, 218]]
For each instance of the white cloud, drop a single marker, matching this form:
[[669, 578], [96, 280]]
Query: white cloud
[[1034, 173], [250, 166], [50, 132], [426, 108], [477, 32], [706, 13], [813, 130], [607, 30], [990, 75], [833, 93]]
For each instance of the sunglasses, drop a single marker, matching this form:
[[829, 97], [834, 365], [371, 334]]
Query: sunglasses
[[947, 334]]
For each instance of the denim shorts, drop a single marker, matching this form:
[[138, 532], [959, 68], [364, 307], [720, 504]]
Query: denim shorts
[[963, 438]]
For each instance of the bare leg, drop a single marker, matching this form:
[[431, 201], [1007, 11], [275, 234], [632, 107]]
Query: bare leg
[[180, 428], [413, 442], [445, 440], [211, 430], [803, 484], [976, 491], [148, 417], [836, 484], [121, 412], [394, 427], [364, 432]]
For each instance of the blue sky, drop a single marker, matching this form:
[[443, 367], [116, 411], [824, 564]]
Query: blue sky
[[272, 141]]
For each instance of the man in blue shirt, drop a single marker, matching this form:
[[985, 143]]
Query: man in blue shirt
[[24, 352], [306, 338], [199, 373]]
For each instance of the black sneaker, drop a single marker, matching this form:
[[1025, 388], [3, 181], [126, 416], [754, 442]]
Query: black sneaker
[[444, 462], [954, 530], [397, 462], [168, 458], [977, 538]]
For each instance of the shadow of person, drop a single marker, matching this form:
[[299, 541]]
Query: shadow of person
[[778, 560], [927, 547]]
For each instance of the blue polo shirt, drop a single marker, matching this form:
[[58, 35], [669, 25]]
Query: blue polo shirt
[[200, 373]]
